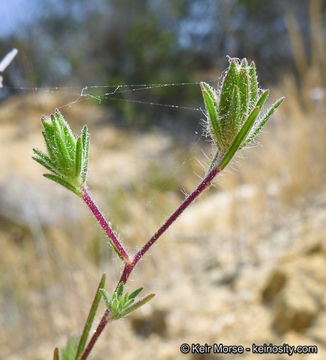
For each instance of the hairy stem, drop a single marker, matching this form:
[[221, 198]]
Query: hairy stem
[[199, 189], [129, 267], [96, 335], [105, 226]]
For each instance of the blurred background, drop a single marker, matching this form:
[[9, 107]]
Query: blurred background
[[247, 262]]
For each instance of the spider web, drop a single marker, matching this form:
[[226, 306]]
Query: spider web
[[124, 93], [113, 95]]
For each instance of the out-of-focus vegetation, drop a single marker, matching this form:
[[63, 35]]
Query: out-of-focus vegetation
[[272, 207], [109, 42]]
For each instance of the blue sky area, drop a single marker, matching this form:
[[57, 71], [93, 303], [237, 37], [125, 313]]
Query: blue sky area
[[16, 14]]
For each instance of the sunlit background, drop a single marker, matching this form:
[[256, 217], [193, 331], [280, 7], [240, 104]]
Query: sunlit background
[[247, 262]]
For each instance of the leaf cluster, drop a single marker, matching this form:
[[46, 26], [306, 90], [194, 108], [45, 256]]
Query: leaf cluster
[[234, 110], [67, 158], [121, 304]]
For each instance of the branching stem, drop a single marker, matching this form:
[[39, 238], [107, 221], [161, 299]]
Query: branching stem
[[199, 189], [129, 266]]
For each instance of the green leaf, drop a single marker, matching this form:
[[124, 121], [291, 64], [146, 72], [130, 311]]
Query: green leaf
[[85, 143], [235, 112], [79, 157], [262, 99], [129, 302], [263, 121], [114, 307], [135, 293], [230, 80], [253, 85], [70, 142], [43, 156], [211, 107], [106, 297], [68, 163], [69, 351], [115, 249], [90, 318], [120, 305], [55, 124], [137, 305], [122, 301], [235, 123], [243, 83], [46, 165], [239, 138], [48, 126], [63, 155], [119, 292], [64, 183], [84, 136], [65, 133], [50, 142], [60, 121]]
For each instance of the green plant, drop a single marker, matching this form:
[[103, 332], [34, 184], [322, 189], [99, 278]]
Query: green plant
[[234, 118]]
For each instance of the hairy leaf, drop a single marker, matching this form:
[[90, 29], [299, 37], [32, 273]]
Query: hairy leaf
[[64, 183], [239, 138], [243, 83], [253, 85], [263, 121]]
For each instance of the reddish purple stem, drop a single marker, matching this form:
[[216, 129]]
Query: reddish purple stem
[[104, 224], [130, 266], [96, 334], [200, 188]]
